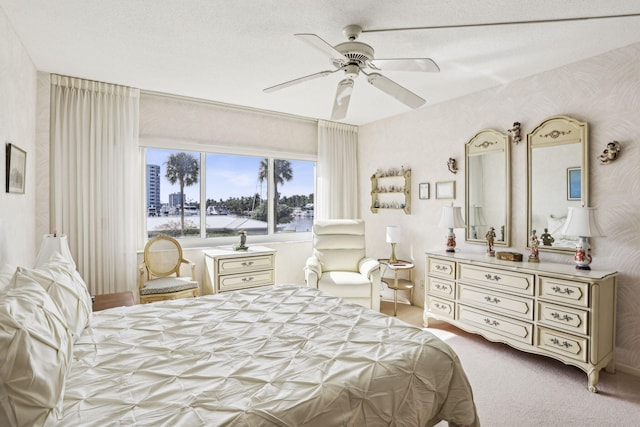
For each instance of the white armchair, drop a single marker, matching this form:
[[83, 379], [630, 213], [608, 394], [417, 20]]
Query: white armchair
[[339, 265]]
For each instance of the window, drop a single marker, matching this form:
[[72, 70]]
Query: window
[[224, 194]]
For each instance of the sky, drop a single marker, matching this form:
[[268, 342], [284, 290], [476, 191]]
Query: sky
[[232, 176]]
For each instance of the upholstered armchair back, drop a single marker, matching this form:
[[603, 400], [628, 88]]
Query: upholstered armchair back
[[339, 244]]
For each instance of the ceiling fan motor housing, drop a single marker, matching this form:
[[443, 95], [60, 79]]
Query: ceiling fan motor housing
[[358, 53]]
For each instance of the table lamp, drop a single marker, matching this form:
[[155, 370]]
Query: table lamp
[[581, 222], [476, 219], [451, 218], [52, 243], [393, 237]]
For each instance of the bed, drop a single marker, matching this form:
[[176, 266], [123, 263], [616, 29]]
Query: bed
[[270, 356]]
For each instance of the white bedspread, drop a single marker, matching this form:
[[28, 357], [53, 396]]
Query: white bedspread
[[271, 356]]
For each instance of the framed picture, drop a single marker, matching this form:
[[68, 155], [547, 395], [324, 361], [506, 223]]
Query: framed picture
[[423, 190], [446, 190], [574, 183], [16, 169]]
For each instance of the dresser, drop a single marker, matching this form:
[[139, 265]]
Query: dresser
[[544, 308], [229, 270]]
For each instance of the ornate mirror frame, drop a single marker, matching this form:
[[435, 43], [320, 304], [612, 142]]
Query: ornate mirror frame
[[557, 178], [488, 187]]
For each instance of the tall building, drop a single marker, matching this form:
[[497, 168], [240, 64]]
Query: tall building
[[153, 188], [175, 199]]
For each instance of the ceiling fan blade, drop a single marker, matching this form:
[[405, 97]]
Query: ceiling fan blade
[[299, 80], [392, 88], [341, 102], [404, 64], [322, 46]]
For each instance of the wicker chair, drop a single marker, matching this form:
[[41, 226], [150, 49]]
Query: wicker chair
[[160, 274]]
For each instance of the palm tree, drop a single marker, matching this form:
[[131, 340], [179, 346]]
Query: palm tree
[[184, 169], [283, 172]]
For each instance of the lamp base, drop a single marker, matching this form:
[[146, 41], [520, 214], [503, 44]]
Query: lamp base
[[449, 249], [392, 258], [451, 241], [582, 257], [583, 267]]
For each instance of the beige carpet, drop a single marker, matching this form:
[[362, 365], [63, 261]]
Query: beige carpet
[[516, 389]]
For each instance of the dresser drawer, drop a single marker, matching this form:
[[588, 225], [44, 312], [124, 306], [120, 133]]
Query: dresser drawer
[[565, 318], [509, 328], [565, 291], [237, 265], [441, 287], [440, 307], [441, 268], [496, 302], [562, 344], [499, 279], [245, 280]]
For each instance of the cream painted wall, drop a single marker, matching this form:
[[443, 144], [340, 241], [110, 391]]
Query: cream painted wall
[[18, 239], [603, 91]]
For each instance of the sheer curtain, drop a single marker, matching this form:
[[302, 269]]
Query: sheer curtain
[[94, 181], [337, 171]]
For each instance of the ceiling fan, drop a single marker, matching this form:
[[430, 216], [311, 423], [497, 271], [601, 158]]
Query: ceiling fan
[[354, 57]]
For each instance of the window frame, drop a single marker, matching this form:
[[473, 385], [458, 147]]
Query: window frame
[[203, 149]]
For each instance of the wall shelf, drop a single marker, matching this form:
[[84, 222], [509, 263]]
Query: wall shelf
[[391, 190]]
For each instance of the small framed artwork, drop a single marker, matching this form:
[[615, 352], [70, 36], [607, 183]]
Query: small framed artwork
[[446, 190], [423, 190], [574, 183], [16, 169]]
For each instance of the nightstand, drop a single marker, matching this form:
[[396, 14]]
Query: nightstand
[[229, 270], [117, 299], [397, 283]]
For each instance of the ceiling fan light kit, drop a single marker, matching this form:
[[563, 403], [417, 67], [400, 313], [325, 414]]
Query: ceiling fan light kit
[[354, 57]]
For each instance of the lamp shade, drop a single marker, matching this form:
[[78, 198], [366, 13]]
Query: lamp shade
[[52, 243], [582, 222], [393, 234], [451, 217], [476, 216]]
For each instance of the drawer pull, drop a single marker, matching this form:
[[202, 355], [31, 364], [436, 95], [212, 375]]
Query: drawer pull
[[442, 287], [493, 300], [247, 279], [247, 263], [491, 322], [442, 267], [493, 277], [564, 344], [557, 316], [441, 307], [567, 291]]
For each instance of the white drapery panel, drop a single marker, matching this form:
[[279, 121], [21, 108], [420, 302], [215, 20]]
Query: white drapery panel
[[337, 171], [94, 185]]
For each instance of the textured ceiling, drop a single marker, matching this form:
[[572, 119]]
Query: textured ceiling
[[228, 51]]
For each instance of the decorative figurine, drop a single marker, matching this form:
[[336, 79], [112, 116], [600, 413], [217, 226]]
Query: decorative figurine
[[610, 153], [451, 164], [515, 133], [534, 243], [243, 242], [491, 235], [547, 238]]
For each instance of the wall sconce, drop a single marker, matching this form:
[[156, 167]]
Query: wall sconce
[[514, 132], [393, 237], [610, 153], [451, 218], [581, 222], [452, 165]]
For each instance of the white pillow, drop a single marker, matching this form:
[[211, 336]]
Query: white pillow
[[67, 289], [36, 353]]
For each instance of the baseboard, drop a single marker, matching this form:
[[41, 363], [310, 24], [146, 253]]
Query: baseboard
[[628, 370]]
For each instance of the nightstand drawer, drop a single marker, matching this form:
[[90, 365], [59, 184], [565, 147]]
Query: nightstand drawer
[[564, 344], [252, 263], [499, 279], [440, 287], [564, 291], [245, 280], [568, 319]]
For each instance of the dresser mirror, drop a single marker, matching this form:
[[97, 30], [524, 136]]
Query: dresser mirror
[[488, 187], [557, 178]]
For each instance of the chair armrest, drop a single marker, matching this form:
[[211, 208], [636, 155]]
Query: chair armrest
[[312, 271], [193, 267], [142, 272], [367, 266]]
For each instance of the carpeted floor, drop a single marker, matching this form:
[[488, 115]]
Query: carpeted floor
[[517, 389]]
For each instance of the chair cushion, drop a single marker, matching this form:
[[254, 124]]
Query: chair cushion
[[345, 284], [166, 285]]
